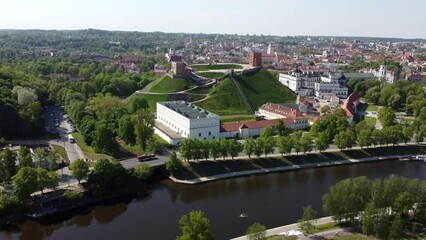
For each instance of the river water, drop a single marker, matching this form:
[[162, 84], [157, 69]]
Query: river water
[[273, 200]]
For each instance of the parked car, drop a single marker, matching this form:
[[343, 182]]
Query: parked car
[[146, 157]]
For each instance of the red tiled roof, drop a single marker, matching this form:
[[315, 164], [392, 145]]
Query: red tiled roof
[[349, 104], [175, 58], [282, 110], [129, 58], [232, 127], [305, 101]]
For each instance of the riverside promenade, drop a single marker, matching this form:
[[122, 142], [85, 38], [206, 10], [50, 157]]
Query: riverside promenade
[[291, 229], [287, 168]]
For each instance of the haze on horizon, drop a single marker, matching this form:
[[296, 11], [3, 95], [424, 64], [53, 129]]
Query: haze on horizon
[[369, 18]]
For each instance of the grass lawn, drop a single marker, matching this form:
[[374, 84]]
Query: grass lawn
[[262, 86], [62, 152], [237, 118], [153, 99], [169, 85], [325, 227], [370, 120], [201, 90], [225, 101], [356, 236], [202, 168], [195, 97], [136, 149], [210, 74], [88, 150], [216, 67], [372, 108]]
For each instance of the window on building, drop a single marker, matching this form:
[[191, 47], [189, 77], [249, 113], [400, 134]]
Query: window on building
[[214, 137], [199, 134], [210, 133]]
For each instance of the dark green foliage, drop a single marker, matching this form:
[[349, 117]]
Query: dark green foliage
[[72, 196], [173, 165], [194, 226]]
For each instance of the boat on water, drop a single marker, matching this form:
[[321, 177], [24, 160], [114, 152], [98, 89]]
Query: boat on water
[[243, 215], [418, 158]]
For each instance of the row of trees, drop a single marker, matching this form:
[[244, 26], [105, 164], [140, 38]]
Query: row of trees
[[383, 207]]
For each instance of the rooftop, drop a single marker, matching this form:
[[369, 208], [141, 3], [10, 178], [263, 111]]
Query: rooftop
[[188, 109]]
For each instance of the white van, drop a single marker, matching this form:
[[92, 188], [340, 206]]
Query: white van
[[71, 138]]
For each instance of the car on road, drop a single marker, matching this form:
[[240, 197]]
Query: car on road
[[146, 157]]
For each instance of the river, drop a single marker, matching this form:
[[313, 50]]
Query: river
[[273, 199]]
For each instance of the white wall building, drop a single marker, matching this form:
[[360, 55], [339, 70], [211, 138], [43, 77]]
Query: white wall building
[[299, 82], [324, 90], [179, 119]]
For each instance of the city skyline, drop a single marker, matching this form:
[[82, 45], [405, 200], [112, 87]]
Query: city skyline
[[363, 18]]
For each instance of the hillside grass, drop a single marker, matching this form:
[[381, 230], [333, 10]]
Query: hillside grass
[[210, 74], [201, 90], [170, 85], [237, 118], [262, 86], [225, 100], [216, 67], [153, 99]]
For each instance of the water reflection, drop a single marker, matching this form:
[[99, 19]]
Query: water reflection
[[273, 199]]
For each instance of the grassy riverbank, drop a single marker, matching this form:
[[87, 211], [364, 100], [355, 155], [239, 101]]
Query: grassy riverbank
[[202, 168]]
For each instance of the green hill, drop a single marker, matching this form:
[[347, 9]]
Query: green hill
[[169, 85], [262, 86], [225, 100]]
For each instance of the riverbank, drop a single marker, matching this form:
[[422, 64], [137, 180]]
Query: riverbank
[[290, 229], [205, 171]]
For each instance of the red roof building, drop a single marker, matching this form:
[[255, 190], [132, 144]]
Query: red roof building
[[278, 111], [250, 129], [350, 105]]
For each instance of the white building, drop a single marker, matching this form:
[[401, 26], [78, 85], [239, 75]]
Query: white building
[[324, 90], [300, 83], [179, 119]]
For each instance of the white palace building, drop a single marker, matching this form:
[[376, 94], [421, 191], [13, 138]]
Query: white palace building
[[176, 120]]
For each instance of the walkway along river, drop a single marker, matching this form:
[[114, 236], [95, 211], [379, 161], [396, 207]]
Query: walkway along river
[[273, 199]]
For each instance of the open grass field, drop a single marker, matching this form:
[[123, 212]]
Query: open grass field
[[62, 152], [370, 120], [88, 150], [372, 107], [210, 74], [153, 99], [136, 149], [262, 86], [225, 100], [169, 85], [215, 67], [202, 168]]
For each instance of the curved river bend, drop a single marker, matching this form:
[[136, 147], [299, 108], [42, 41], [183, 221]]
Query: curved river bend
[[273, 199]]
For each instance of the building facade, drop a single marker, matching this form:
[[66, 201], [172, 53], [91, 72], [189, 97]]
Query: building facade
[[180, 119], [277, 111], [255, 59]]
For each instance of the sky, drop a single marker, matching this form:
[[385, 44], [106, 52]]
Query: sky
[[370, 18]]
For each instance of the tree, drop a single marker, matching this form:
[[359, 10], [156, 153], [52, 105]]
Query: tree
[[186, 148], [173, 165], [419, 137], [103, 140], [194, 226], [397, 228], [224, 148], [137, 103], [43, 179], [373, 95], [382, 225], [143, 171], [249, 146], [285, 144], [407, 133], [24, 183], [39, 156], [306, 224], [52, 158], [364, 138], [79, 169], [53, 180], [109, 175], [324, 109], [8, 162], [281, 129], [344, 139], [267, 132], [215, 149], [234, 147], [126, 130], [256, 231], [368, 219], [24, 157], [386, 117], [144, 126], [205, 149], [321, 142], [154, 145], [306, 143]]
